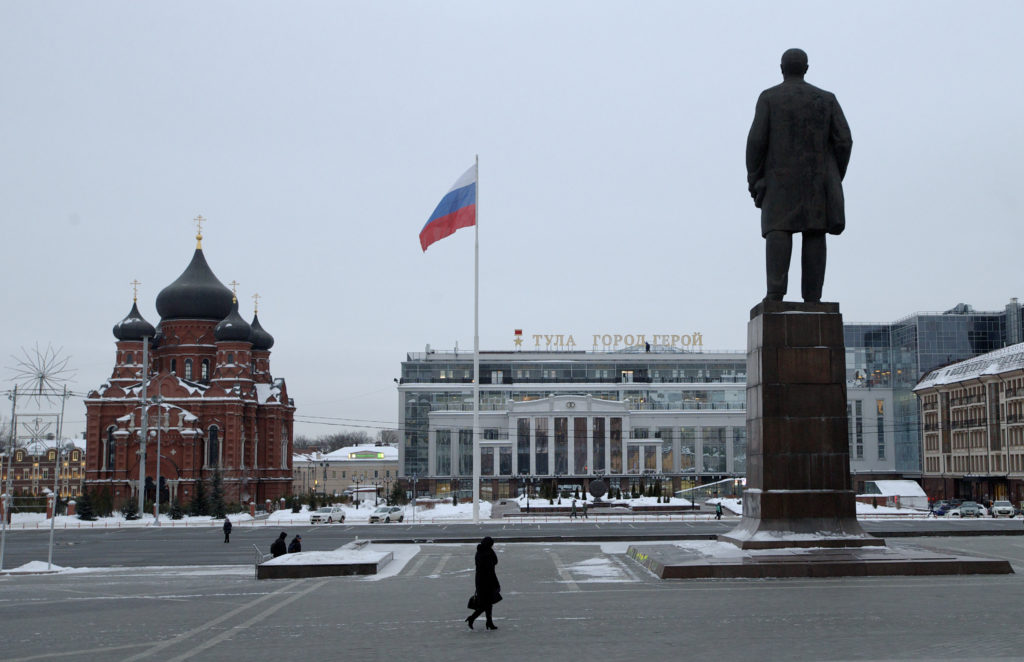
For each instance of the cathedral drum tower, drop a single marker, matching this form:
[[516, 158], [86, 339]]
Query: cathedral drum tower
[[210, 398]]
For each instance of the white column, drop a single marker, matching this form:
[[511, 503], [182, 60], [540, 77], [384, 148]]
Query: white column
[[533, 446], [570, 435], [551, 445], [607, 445], [590, 446]]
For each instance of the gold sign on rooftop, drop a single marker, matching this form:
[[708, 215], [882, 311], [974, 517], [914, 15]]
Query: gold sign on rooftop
[[610, 341]]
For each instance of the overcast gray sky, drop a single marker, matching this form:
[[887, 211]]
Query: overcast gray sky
[[317, 137]]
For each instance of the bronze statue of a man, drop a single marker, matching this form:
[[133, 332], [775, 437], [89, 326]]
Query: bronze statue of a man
[[797, 152]]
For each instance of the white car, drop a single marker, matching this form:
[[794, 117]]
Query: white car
[[327, 515], [1002, 509], [387, 514]]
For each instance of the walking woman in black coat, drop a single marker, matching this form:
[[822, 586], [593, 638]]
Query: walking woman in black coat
[[488, 590]]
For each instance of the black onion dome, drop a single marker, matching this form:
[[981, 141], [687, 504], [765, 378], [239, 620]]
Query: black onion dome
[[134, 326], [232, 327], [196, 294], [259, 338]]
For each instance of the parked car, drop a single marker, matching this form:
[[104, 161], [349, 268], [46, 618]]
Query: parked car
[[940, 508], [387, 514], [1002, 509], [967, 509], [327, 515]]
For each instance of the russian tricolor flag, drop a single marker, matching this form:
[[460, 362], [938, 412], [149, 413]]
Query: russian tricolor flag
[[457, 209]]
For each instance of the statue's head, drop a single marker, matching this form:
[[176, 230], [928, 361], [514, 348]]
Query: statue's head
[[794, 62]]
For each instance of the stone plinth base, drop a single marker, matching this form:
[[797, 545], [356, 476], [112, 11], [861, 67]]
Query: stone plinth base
[[710, 560], [791, 526], [798, 464], [352, 559]]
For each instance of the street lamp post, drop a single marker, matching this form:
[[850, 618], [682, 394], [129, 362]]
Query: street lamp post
[[159, 400], [57, 450], [325, 464], [59, 454], [376, 492], [357, 480], [414, 477]]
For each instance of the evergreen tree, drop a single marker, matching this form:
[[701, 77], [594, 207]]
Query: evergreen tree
[[455, 499], [102, 503], [398, 495], [176, 511], [313, 505], [200, 503], [219, 510], [296, 507], [85, 511], [128, 510]]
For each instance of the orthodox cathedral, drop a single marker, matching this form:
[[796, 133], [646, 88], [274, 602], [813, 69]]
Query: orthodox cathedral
[[212, 404]]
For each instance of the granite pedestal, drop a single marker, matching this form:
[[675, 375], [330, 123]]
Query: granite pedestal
[[798, 490]]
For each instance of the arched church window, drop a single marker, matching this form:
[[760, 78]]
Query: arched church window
[[231, 357], [108, 463], [204, 374], [212, 447], [174, 365], [129, 358], [284, 446], [188, 368]]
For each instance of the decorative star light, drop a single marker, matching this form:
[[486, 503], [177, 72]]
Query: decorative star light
[[41, 374]]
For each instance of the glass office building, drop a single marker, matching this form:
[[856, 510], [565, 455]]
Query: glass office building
[[884, 362]]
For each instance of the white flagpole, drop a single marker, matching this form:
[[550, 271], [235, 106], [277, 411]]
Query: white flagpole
[[476, 350]]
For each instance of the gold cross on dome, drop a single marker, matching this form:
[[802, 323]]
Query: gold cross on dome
[[199, 220], [135, 290], [234, 286], [255, 303]]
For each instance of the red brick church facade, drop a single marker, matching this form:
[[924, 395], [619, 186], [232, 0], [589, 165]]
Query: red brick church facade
[[220, 410]]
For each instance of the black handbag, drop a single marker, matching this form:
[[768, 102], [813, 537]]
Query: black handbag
[[472, 602]]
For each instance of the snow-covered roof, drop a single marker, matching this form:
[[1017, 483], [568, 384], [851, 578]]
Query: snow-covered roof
[[993, 363], [363, 453], [902, 488], [265, 391], [366, 452]]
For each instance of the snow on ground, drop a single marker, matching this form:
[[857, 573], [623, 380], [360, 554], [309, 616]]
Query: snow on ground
[[566, 502], [437, 511], [598, 570], [35, 567], [732, 505], [338, 556]]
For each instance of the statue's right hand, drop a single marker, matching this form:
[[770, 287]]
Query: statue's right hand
[[757, 193]]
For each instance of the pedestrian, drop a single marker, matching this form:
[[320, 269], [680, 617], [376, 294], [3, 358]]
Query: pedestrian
[[572, 513], [279, 548], [227, 530], [585, 510], [718, 510], [488, 590], [296, 545]]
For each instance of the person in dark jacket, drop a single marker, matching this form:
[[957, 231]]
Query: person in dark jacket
[[488, 590], [227, 530], [296, 545], [718, 510], [279, 548]]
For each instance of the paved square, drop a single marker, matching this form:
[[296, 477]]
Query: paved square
[[562, 601]]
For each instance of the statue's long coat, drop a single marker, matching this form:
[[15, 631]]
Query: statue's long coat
[[798, 149]]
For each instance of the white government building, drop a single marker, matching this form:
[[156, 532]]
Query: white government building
[[671, 415]]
